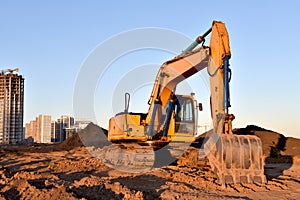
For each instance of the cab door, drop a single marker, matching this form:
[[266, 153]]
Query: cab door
[[184, 117]]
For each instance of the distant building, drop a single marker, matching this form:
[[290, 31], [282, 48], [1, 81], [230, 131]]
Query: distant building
[[11, 107], [31, 130], [63, 123], [70, 132], [54, 131], [43, 130], [39, 129], [81, 124], [44, 124], [78, 126]]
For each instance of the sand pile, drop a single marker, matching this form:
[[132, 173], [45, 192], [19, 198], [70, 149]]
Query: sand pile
[[282, 154], [71, 142], [92, 135], [274, 144]]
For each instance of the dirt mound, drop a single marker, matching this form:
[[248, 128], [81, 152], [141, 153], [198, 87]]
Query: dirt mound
[[92, 135], [292, 147], [281, 153], [71, 142], [274, 144]]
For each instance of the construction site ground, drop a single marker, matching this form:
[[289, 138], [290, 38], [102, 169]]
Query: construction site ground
[[68, 171]]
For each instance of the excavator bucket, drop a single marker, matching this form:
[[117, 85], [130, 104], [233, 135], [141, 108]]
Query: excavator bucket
[[237, 159]]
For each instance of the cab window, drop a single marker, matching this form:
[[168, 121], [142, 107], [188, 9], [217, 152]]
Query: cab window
[[184, 110]]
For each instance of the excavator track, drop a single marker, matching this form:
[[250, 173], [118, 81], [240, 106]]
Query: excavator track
[[128, 157]]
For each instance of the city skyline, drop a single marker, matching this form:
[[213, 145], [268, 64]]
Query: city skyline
[[45, 129], [49, 42]]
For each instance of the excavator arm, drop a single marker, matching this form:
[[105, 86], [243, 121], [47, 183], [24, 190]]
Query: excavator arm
[[220, 75], [215, 58], [170, 75]]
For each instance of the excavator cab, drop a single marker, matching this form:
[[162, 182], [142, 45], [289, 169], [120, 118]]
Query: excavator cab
[[178, 121], [185, 116], [185, 123]]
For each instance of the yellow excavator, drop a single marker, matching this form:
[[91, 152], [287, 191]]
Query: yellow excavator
[[171, 120]]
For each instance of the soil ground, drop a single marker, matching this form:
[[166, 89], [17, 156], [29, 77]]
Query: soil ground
[[68, 171]]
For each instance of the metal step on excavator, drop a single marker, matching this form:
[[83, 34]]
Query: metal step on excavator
[[143, 141]]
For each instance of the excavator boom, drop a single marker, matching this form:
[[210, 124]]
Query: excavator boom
[[216, 58]]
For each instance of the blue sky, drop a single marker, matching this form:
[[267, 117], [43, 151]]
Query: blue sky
[[50, 40]]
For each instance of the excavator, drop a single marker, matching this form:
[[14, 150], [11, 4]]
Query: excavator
[[171, 120]]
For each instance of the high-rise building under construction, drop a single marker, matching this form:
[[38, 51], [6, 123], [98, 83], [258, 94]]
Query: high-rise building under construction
[[11, 107]]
